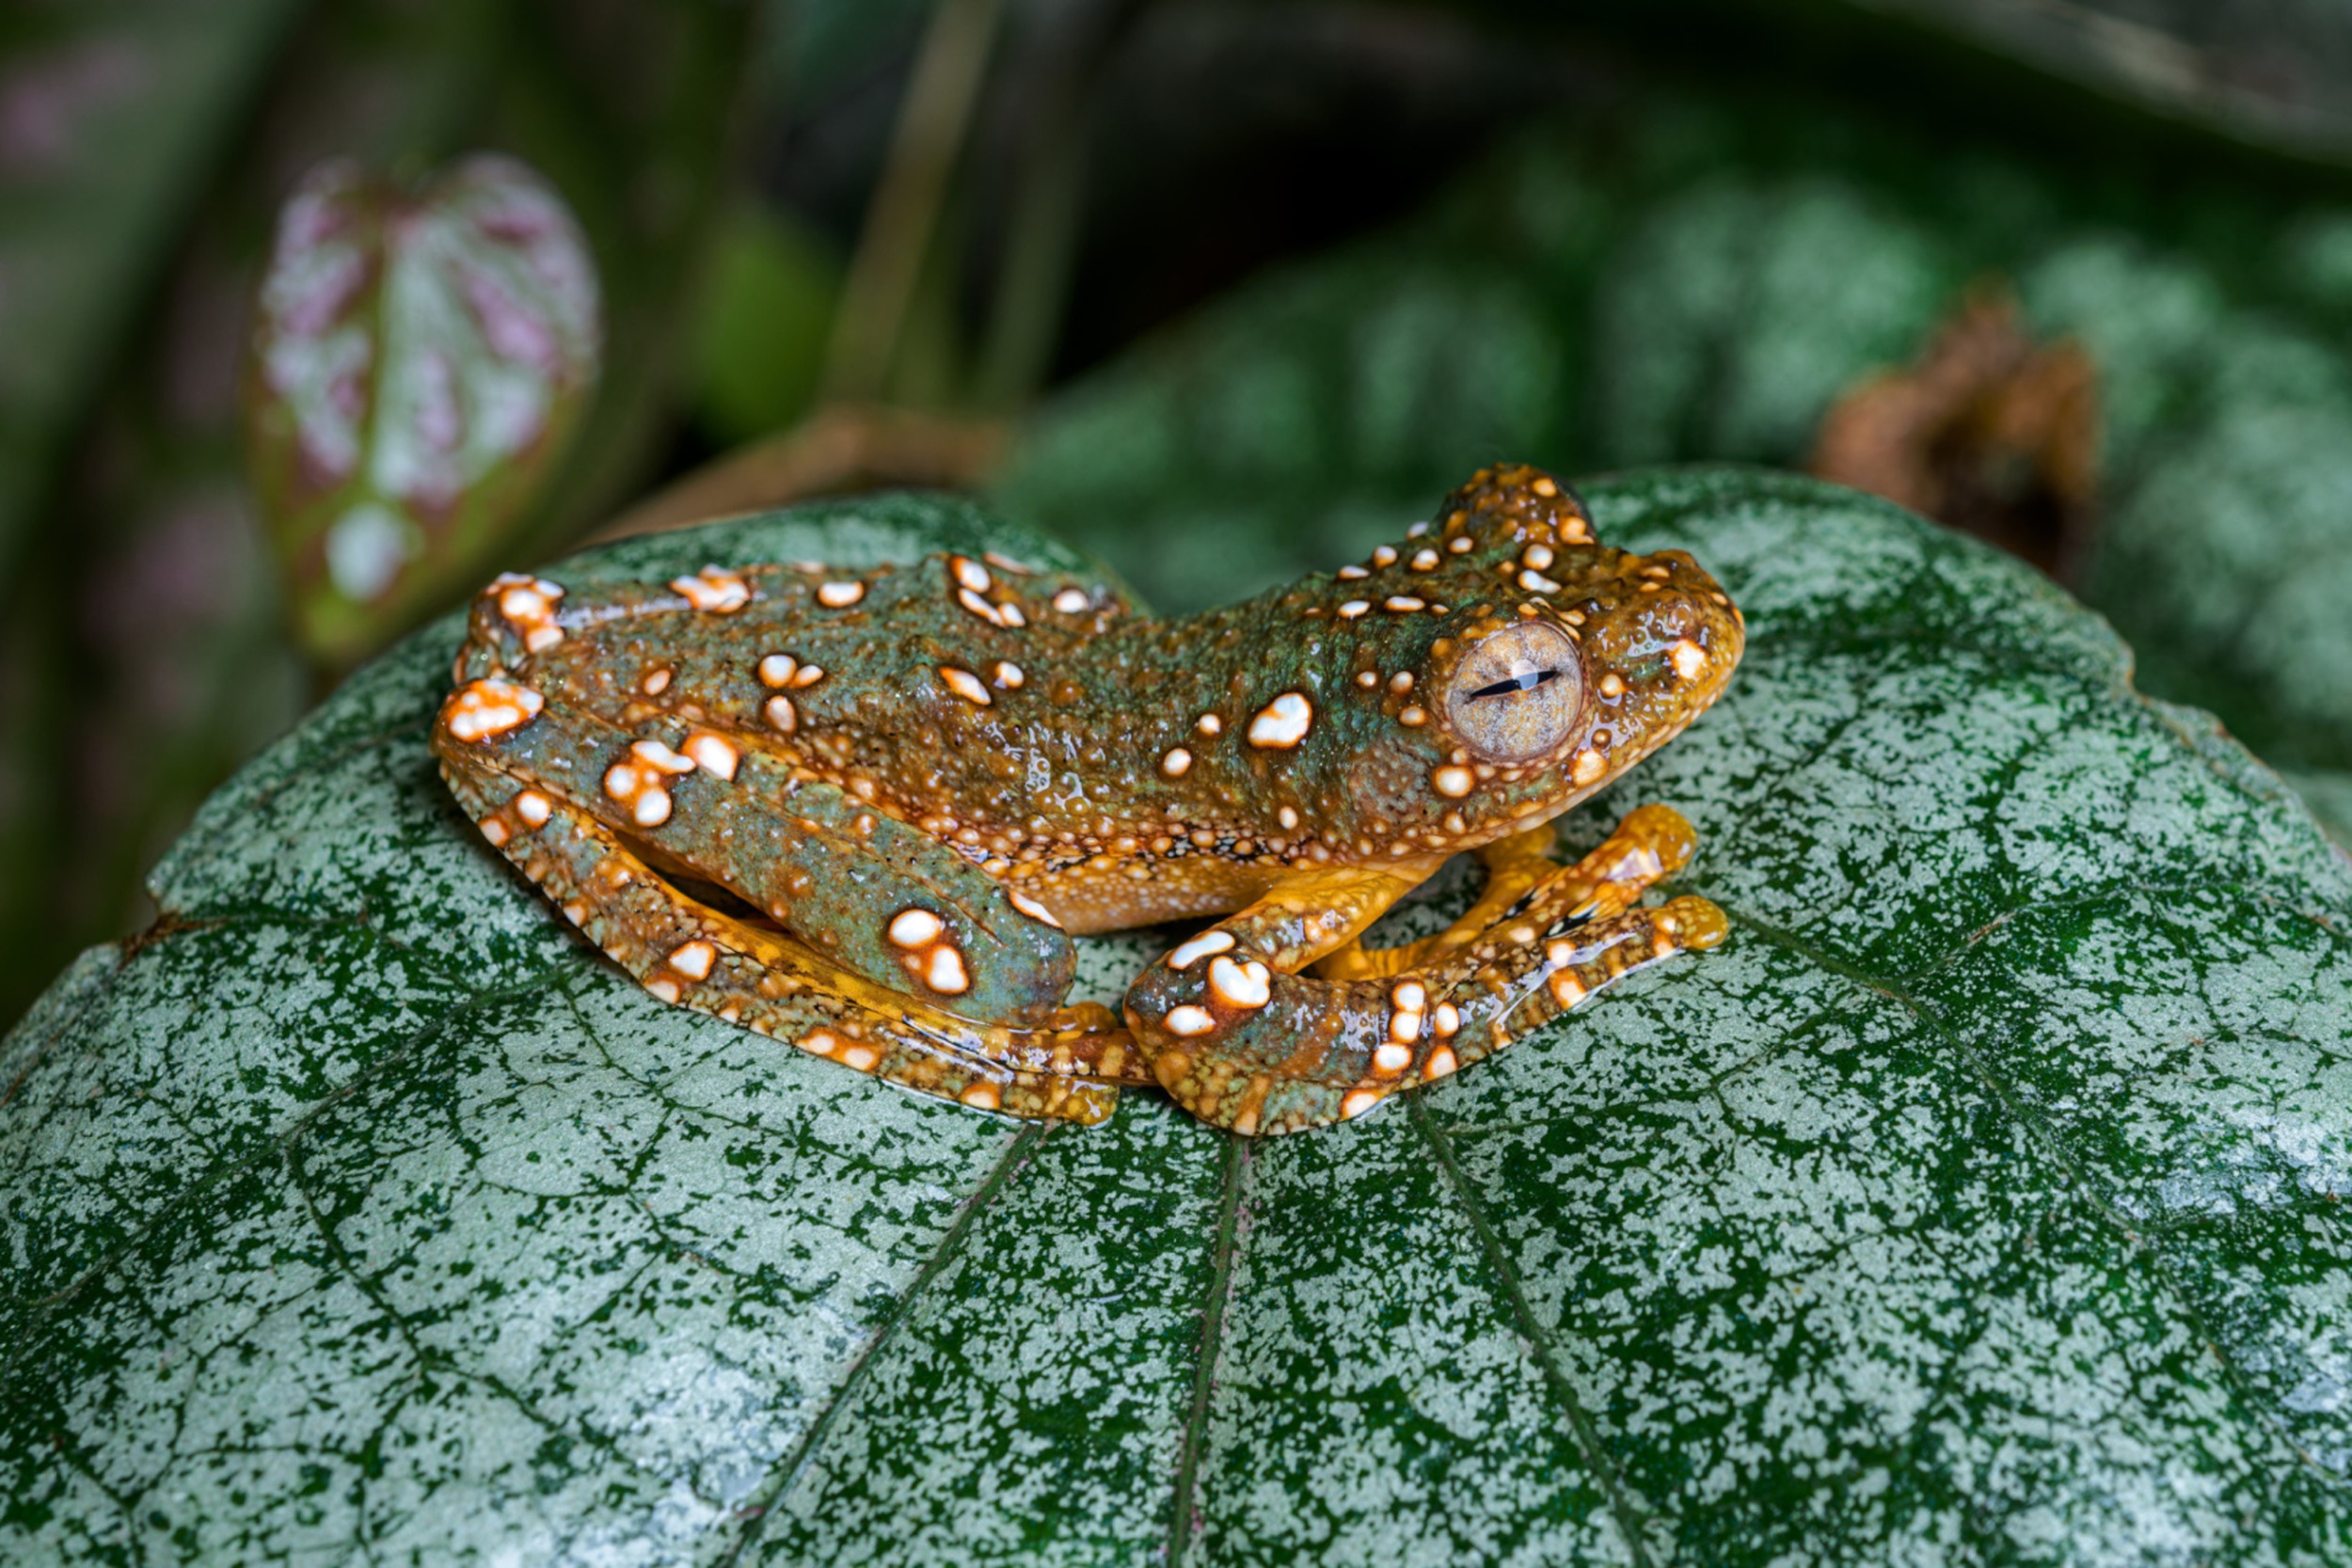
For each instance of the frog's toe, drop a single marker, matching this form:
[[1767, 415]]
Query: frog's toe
[[1229, 1094]]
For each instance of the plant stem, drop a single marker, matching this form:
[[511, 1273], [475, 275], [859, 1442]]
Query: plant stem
[[1042, 230], [904, 213]]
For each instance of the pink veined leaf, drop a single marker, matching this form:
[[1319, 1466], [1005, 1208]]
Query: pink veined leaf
[[419, 357]]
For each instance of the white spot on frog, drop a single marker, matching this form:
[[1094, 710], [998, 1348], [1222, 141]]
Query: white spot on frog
[[1240, 985], [915, 928], [1034, 910], [714, 753], [714, 591], [946, 972], [482, 708], [655, 756], [964, 684], [1199, 948], [640, 790], [528, 605], [1283, 722]]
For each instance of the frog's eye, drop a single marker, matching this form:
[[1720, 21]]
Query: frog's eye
[[1516, 695]]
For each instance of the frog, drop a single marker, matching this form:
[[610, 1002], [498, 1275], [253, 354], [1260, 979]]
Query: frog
[[869, 812]]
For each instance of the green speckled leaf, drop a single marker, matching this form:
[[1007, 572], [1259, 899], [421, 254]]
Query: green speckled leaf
[[1980, 1200]]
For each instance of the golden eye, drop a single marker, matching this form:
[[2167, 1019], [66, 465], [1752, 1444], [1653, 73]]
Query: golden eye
[[1516, 694]]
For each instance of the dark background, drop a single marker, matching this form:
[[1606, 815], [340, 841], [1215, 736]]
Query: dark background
[[1146, 216]]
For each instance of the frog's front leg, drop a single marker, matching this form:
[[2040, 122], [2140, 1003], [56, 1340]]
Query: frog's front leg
[[1515, 866], [1652, 843], [1241, 1044], [953, 993]]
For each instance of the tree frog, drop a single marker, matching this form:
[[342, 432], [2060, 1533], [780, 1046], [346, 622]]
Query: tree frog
[[866, 813]]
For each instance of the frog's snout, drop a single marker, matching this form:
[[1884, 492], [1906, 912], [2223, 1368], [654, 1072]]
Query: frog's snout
[[1661, 646], [1691, 611]]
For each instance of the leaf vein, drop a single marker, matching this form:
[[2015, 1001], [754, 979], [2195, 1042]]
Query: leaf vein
[[1224, 1255], [759, 1506], [2140, 1242], [1623, 1506]]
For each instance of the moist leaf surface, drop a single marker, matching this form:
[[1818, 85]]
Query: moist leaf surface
[[1980, 1199]]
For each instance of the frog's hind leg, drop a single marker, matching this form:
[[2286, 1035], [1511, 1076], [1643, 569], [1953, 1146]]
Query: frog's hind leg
[[927, 930], [688, 954], [1515, 866]]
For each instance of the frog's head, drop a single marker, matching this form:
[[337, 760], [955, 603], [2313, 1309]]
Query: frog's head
[[1517, 664]]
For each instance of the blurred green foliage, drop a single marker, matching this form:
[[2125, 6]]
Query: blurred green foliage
[[760, 336], [1689, 281], [420, 358], [148, 145], [118, 113]]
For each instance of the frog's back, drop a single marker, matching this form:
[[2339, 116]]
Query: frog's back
[[988, 704], [700, 641]]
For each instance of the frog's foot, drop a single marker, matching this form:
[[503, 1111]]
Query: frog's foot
[[1068, 1065], [1246, 1047]]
